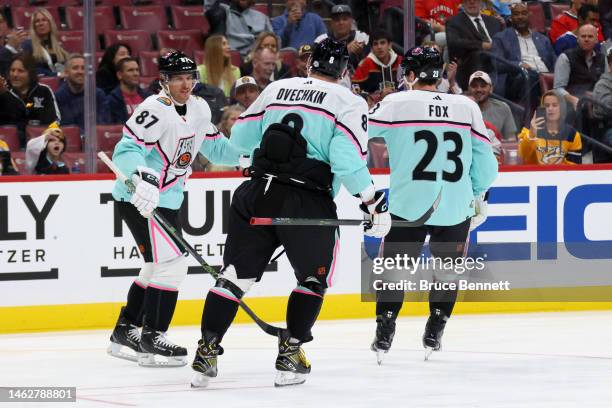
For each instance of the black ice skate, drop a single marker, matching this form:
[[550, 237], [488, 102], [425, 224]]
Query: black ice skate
[[125, 337], [385, 330], [205, 361], [432, 339], [291, 364], [154, 343]]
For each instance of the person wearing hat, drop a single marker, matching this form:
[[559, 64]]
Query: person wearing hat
[[493, 110], [44, 153], [301, 64], [246, 91], [296, 26], [341, 29]]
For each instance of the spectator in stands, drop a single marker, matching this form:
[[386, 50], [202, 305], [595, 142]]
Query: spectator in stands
[[495, 111], [549, 140], [264, 63], [568, 21], [44, 45], [296, 26], [246, 91], [126, 97], [301, 64], [588, 14], [527, 52], [341, 29], [270, 41], [448, 83], [10, 44], [377, 73], [24, 101], [44, 153], [238, 22], [605, 10], [437, 13], [577, 70], [71, 93], [469, 34], [230, 115], [602, 110], [217, 69], [7, 164], [106, 75]]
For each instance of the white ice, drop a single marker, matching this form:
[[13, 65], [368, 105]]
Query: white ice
[[511, 360]]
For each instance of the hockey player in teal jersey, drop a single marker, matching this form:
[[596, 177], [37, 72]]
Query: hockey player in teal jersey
[[437, 144], [160, 141], [307, 137]]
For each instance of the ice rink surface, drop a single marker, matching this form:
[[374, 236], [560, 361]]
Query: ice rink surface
[[509, 360]]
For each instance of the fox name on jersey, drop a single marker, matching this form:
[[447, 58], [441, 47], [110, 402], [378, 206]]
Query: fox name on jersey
[[158, 137]]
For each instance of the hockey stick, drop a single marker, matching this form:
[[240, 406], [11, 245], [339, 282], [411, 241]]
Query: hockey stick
[[169, 228], [330, 222]]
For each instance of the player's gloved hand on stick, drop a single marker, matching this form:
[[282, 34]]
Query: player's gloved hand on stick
[[146, 196], [480, 206], [377, 216]]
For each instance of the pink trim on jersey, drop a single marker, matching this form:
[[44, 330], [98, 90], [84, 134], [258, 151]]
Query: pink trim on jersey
[[303, 292], [154, 227], [164, 169], [139, 283], [333, 266], [129, 134], [426, 124], [327, 116], [250, 118], [224, 295], [479, 137], [153, 240], [169, 289]]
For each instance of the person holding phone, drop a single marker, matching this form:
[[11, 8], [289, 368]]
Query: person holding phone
[[296, 26], [549, 140], [10, 43]]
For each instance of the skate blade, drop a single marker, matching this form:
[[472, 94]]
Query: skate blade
[[428, 351], [115, 350], [200, 380], [380, 355], [286, 378], [157, 361]]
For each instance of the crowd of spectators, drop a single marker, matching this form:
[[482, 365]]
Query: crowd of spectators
[[545, 90]]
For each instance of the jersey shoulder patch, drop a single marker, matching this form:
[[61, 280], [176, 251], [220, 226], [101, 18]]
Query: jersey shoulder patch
[[164, 100]]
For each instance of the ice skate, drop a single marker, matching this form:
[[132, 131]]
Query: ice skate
[[432, 338], [155, 344], [385, 330], [125, 337], [291, 364], [205, 361]]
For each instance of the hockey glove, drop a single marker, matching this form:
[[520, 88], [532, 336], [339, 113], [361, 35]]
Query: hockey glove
[[376, 214], [146, 196], [480, 206]]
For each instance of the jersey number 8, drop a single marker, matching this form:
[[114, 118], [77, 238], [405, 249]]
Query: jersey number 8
[[419, 172]]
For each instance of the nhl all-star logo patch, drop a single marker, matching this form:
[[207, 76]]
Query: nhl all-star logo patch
[[184, 153]]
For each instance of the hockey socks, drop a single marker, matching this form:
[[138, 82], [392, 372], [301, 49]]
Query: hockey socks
[[220, 309], [134, 308], [159, 307], [389, 301], [443, 300], [302, 311]]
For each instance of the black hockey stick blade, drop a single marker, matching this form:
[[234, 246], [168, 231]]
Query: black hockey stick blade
[[330, 222]]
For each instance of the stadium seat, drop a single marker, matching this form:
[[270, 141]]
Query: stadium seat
[[108, 136], [72, 41], [118, 2], [52, 82], [546, 82], [105, 19], [70, 158], [556, 9], [236, 58], [22, 16], [189, 17], [148, 18], [184, 40], [102, 167], [288, 56], [73, 138], [63, 3], [537, 19], [34, 131], [199, 56], [262, 8], [10, 136], [149, 63], [138, 40], [378, 157]]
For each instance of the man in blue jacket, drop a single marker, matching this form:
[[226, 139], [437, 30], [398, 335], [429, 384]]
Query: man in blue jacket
[[70, 95], [296, 26], [125, 98], [525, 51]]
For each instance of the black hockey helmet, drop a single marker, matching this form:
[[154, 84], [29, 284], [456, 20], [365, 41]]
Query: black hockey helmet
[[176, 62], [425, 62], [330, 57]]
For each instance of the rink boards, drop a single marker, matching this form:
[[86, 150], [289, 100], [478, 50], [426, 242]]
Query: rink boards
[[66, 260]]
